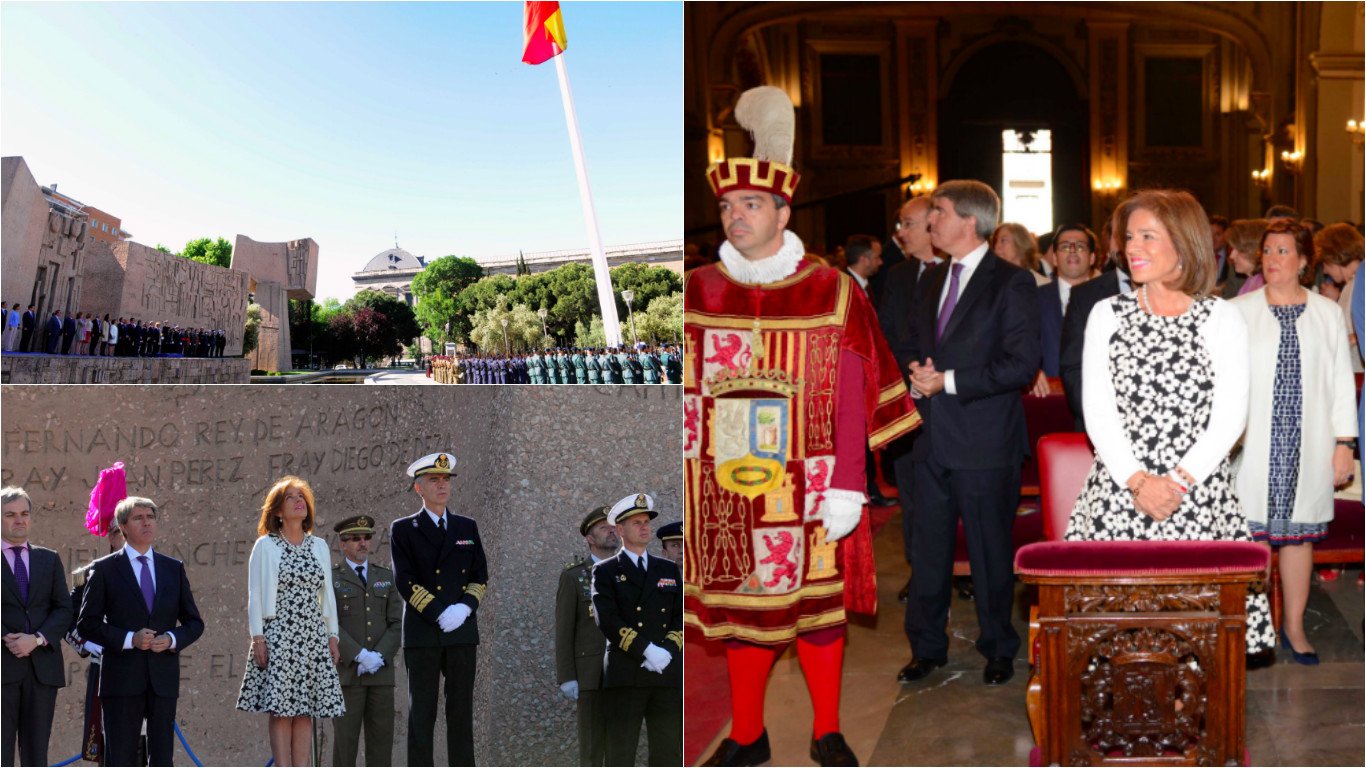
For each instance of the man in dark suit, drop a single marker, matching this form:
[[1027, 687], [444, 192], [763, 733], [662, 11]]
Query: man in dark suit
[[579, 644], [36, 612], [895, 314], [54, 332], [139, 608], [1075, 246], [1084, 299], [29, 322], [68, 334], [441, 573], [974, 346], [369, 617], [638, 605]]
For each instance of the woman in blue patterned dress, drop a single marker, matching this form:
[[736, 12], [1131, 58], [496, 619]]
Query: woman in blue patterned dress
[[1301, 423], [1165, 396]]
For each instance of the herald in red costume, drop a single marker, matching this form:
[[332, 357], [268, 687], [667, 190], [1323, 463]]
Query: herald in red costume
[[787, 378]]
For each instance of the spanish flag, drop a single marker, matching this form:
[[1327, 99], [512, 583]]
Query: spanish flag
[[544, 32]]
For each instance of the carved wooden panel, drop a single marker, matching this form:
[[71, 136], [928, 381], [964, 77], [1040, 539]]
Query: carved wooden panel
[[1117, 598]]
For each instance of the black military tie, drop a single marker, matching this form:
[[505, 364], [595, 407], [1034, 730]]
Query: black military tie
[[441, 525], [360, 571]]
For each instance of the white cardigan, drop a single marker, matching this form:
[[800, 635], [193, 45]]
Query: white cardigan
[[1328, 409], [264, 577], [1225, 340]]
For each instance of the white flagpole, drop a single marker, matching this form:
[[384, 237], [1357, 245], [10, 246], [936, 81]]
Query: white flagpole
[[610, 324]]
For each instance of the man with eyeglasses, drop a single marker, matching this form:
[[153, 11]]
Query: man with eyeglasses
[[894, 314], [1075, 248], [370, 620]]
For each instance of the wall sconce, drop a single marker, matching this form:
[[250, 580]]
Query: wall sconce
[[1107, 187], [1358, 131], [1262, 178], [716, 147], [921, 186], [1293, 161]]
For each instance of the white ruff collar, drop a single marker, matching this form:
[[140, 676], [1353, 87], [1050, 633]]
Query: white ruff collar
[[782, 264]]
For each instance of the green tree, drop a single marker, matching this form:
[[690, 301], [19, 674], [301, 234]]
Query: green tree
[[205, 251], [523, 328], [592, 335], [522, 269], [251, 334], [662, 321], [401, 323], [436, 289], [164, 249], [647, 282]]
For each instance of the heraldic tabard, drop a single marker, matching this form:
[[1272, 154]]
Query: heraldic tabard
[[782, 383]]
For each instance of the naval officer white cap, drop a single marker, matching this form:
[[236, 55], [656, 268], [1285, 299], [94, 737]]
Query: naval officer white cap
[[632, 505], [433, 464]]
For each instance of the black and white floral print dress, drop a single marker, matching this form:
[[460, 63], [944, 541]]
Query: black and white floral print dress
[[1164, 391], [299, 678]]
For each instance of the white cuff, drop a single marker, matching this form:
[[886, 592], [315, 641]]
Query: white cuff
[[949, 385]]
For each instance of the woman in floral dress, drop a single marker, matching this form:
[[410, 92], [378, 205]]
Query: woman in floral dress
[[1166, 391], [292, 669]]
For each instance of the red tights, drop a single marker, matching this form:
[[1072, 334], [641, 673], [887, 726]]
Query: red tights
[[822, 663]]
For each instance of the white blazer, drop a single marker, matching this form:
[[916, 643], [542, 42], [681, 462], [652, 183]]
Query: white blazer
[[264, 578], [1328, 409]]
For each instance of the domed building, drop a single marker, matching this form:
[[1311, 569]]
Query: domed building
[[392, 272]]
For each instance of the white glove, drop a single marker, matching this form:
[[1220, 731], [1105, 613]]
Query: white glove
[[94, 649], [841, 517], [656, 658], [570, 690], [455, 615], [369, 661]]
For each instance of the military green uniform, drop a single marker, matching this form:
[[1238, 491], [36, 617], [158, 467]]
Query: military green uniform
[[628, 374], [594, 372], [370, 616], [649, 365], [579, 649], [580, 368]]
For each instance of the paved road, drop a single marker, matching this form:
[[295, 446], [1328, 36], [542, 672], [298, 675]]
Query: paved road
[[400, 377]]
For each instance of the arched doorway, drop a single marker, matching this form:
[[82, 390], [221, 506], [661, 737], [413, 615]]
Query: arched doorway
[[1013, 84]]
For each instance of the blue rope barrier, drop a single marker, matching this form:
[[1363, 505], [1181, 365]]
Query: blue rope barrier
[[67, 761], [186, 744]]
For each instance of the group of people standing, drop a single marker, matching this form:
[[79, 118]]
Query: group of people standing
[[1168, 379], [647, 365], [88, 335], [325, 638], [621, 673]]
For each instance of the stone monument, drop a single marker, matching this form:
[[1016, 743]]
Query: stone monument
[[41, 248], [279, 272], [531, 462]]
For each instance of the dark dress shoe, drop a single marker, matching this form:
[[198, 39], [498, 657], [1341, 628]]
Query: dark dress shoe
[[878, 500], [919, 669], [964, 586], [1260, 660], [732, 752], [999, 670], [905, 593], [830, 749]]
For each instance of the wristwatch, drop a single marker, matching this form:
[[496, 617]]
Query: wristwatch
[[1349, 443]]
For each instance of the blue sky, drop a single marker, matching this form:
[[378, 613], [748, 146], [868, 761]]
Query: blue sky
[[345, 122]]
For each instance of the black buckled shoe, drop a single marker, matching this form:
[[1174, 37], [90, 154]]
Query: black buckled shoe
[[830, 749], [919, 669], [732, 752]]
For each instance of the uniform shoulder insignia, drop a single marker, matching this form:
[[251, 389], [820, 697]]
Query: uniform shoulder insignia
[[575, 563]]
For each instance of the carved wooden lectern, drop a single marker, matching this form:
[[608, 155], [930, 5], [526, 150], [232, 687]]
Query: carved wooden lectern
[[1139, 655]]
